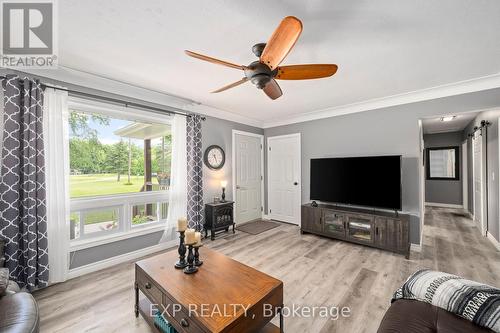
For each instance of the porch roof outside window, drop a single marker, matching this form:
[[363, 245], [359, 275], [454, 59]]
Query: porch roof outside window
[[143, 131]]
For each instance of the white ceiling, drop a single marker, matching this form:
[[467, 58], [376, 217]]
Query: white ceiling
[[435, 125], [383, 48]]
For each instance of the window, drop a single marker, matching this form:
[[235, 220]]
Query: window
[[120, 163], [149, 213], [442, 163], [116, 156], [88, 223]]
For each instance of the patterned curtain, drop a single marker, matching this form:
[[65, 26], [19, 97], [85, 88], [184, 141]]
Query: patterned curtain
[[23, 221], [194, 173]]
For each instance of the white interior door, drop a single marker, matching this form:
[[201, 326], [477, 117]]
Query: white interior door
[[478, 180], [284, 178], [247, 171]]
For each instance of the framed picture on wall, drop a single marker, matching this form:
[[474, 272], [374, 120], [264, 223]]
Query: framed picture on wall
[[443, 163]]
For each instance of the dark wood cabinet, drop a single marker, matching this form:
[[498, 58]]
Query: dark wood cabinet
[[383, 230], [334, 223], [218, 216], [312, 220]]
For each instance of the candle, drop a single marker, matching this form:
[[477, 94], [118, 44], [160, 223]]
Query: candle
[[197, 238], [189, 234], [182, 224]]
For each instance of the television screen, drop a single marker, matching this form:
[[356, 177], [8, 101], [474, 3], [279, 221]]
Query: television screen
[[363, 181]]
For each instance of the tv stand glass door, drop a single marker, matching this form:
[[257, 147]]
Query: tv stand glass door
[[334, 223], [360, 228]]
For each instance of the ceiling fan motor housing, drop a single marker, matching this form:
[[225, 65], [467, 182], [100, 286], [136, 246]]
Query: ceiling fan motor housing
[[259, 74], [257, 49]]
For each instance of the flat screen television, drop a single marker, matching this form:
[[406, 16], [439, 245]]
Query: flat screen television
[[373, 181]]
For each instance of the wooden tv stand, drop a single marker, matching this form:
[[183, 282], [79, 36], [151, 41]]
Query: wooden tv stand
[[383, 230]]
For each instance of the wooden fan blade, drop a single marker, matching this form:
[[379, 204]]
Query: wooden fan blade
[[213, 60], [281, 41], [232, 85], [272, 89], [305, 72]]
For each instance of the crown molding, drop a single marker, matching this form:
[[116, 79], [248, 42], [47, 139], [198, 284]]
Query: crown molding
[[93, 81], [457, 88], [67, 75], [222, 114]]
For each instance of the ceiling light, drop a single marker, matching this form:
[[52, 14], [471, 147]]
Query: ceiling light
[[448, 118]]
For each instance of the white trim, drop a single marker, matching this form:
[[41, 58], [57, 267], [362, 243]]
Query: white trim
[[118, 200], [270, 216], [78, 245], [233, 166], [443, 205], [465, 184], [223, 114], [106, 263], [99, 82], [415, 247], [117, 111], [421, 172], [456, 88], [493, 241], [265, 217]]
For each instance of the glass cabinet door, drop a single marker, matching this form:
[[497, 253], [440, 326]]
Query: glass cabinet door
[[360, 229], [334, 223]]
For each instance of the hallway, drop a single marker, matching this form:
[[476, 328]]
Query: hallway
[[453, 244]]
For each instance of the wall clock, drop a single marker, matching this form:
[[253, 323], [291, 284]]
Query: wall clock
[[214, 157]]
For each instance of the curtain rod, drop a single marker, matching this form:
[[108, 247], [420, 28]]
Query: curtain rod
[[115, 100]]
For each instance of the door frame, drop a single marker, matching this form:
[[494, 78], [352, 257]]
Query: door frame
[[299, 195], [465, 173], [233, 168], [482, 226]]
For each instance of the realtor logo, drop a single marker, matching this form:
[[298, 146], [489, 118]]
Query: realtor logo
[[28, 34]]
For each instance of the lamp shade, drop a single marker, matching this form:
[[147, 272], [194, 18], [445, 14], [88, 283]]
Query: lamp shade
[[223, 183]]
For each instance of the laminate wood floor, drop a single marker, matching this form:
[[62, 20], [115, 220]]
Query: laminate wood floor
[[316, 272]]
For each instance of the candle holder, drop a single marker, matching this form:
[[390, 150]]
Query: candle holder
[[190, 268], [197, 261], [181, 263]]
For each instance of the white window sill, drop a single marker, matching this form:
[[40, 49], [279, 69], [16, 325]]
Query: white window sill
[[114, 237]]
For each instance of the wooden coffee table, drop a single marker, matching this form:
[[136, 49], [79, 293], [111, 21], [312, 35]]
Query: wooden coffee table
[[223, 296]]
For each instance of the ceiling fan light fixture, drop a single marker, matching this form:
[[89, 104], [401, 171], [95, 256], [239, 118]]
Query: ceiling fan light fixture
[[260, 80], [447, 118]]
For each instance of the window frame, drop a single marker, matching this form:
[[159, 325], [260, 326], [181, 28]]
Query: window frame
[[428, 164], [124, 202]]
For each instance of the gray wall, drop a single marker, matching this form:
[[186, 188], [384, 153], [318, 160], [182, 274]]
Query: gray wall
[[219, 132], [493, 168], [109, 250], [445, 191], [391, 130]]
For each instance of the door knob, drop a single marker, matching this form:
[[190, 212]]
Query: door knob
[[295, 183]]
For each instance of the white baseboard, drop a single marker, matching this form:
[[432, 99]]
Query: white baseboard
[[437, 204], [106, 263], [493, 240], [265, 217], [415, 247]]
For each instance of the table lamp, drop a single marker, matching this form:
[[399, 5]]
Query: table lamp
[[223, 183]]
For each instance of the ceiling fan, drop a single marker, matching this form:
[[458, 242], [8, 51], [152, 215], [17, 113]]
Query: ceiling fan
[[264, 72]]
